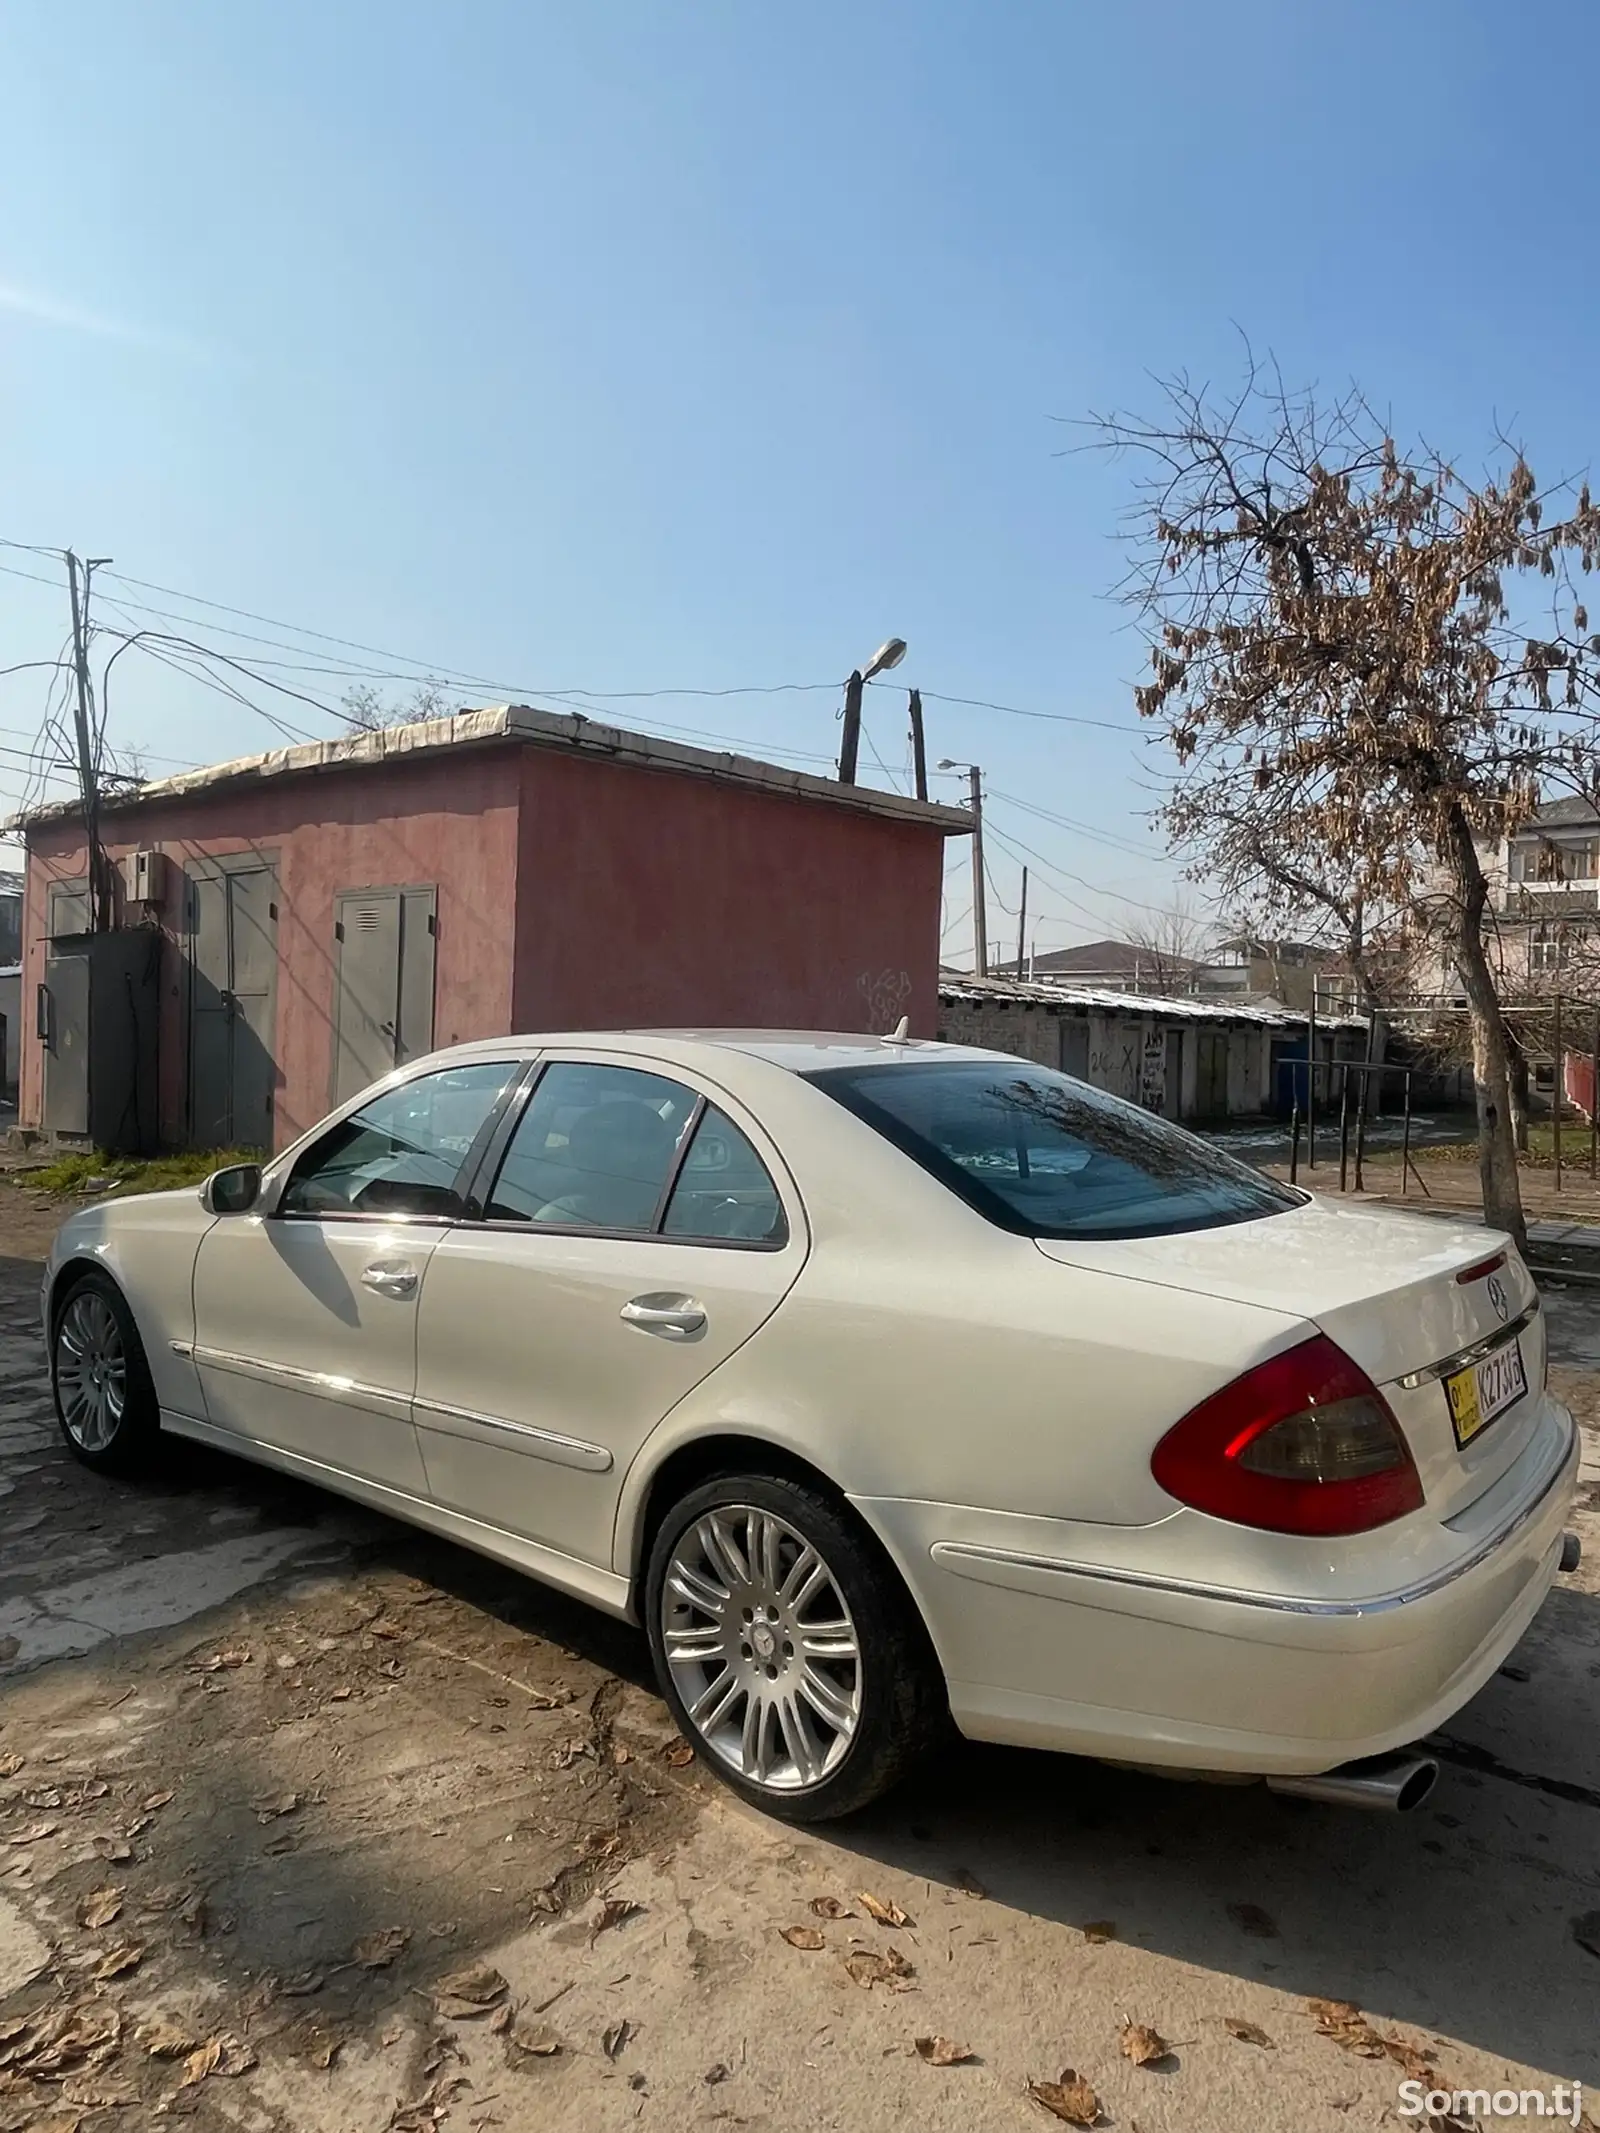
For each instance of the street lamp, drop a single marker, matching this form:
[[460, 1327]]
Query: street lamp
[[886, 656], [980, 915]]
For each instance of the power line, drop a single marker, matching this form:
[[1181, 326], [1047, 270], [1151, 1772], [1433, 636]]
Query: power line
[[1083, 829], [1056, 718], [1094, 887]]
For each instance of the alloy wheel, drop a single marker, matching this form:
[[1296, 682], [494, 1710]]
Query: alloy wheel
[[761, 1647], [91, 1371]]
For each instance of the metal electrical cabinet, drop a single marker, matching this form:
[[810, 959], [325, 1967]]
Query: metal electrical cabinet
[[96, 1021]]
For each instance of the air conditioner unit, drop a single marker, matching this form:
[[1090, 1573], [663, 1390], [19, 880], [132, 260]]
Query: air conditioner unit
[[144, 877]]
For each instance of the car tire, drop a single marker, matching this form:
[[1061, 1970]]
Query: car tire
[[105, 1398], [788, 1649]]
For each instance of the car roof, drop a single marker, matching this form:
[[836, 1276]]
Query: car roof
[[799, 1051]]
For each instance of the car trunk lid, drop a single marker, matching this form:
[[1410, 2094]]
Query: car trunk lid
[[1401, 1294]]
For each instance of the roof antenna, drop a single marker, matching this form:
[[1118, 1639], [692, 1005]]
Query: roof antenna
[[901, 1033]]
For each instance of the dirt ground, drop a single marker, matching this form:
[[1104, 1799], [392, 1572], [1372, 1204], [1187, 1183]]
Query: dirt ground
[[312, 1824]]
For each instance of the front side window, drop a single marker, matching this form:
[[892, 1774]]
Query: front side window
[[1048, 1157], [595, 1149], [402, 1153]]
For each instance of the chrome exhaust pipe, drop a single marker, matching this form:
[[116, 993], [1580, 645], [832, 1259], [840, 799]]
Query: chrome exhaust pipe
[[1390, 1784]]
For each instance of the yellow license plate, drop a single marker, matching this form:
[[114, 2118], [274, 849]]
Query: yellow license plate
[[1477, 1395]]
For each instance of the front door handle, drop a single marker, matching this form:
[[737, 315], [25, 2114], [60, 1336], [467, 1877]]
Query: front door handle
[[390, 1277], [675, 1318]]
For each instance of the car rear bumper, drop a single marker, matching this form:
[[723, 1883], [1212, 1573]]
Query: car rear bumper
[[1044, 1647]]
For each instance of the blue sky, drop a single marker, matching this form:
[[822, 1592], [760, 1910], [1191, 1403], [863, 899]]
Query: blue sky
[[628, 346]]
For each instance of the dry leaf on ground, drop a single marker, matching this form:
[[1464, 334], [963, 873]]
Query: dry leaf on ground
[[467, 1994], [887, 1914], [1247, 2032], [1346, 2025], [118, 1961], [968, 1883], [90, 2092], [1099, 1930], [940, 2051], [316, 2042], [163, 2038], [285, 1803], [376, 1951], [34, 1833], [1070, 2099], [613, 1912], [868, 1968], [224, 2054], [99, 1907], [11, 1764], [214, 1662], [536, 2039], [830, 1907], [615, 2037], [803, 1937], [1250, 1918], [154, 1800], [165, 1896], [116, 1850], [1142, 2044], [678, 1753]]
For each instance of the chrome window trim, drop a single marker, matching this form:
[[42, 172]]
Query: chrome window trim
[[956, 1555], [540, 1443], [1473, 1353]]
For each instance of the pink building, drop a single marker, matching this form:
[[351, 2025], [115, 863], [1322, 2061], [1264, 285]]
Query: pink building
[[309, 918]]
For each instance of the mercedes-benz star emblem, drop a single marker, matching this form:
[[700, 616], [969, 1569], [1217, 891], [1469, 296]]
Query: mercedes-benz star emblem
[[1498, 1296]]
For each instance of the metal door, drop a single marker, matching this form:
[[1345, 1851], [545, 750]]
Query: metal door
[[1075, 1047], [1211, 1073], [383, 984], [233, 969], [63, 1028]]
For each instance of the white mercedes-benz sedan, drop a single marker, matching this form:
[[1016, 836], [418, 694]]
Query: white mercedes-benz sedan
[[885, 1383]]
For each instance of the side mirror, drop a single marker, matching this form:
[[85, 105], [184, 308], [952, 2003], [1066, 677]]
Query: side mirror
[[233, 1191]]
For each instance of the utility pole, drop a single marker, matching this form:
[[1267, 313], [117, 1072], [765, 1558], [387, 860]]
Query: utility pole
[[850, 739], [887, 655], [919, 754], [1022, 927], [99, 888], [980, 915]]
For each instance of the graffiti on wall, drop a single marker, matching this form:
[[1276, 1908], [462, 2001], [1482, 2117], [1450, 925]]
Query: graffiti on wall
[[887, 994], [1153, 1069]]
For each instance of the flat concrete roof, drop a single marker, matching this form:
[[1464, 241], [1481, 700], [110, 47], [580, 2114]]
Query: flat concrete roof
[[570, 731]]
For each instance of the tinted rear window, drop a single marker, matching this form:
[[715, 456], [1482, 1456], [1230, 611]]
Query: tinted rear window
[[1050, 1157]]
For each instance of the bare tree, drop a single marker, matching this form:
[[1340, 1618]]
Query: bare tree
[[367, 710], [1171, 942], [1342, 662]]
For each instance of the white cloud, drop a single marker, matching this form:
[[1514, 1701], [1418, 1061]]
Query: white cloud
[[73, 318]]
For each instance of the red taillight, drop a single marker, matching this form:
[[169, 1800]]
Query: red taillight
[[1483, 1268], [1304, 1443]]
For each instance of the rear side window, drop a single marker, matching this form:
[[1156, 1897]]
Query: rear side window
[[594, 1149], [723, 1189], [1048, 1157]]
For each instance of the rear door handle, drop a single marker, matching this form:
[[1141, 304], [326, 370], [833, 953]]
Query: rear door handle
[[675, 1318], [390, 1277]]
